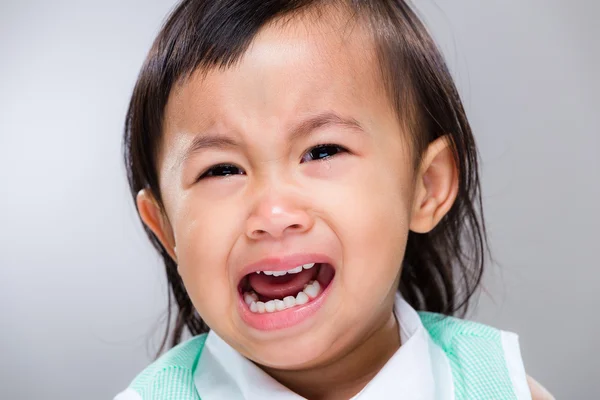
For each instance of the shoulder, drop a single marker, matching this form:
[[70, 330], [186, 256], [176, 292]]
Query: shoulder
[[483, 359], [446, 329], [170, 376]]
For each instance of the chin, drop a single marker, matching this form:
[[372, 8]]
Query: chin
[[294, 353]]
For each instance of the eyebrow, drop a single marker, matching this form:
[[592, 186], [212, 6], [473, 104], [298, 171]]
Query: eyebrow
[[304, 128], [322, 120]]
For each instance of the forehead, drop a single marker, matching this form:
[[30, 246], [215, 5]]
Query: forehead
[[297, 65]]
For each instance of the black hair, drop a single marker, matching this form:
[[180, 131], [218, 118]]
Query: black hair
[[441, 269]]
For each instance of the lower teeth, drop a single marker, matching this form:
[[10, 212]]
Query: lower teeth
[[311, 291]]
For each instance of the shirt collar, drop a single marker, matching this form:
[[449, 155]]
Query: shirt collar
[[223, 373], [409, 371]]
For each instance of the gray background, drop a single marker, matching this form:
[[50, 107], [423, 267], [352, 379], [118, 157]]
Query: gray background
[[80, 288]]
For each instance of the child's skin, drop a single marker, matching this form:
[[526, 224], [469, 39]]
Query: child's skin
[[356, 207]]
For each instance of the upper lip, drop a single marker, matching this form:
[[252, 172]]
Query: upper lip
[[284, 263]]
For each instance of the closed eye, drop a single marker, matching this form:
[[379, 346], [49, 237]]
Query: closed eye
[[222, 170], [323, 152]]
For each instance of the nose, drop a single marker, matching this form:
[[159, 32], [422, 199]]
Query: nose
[[275, 216]]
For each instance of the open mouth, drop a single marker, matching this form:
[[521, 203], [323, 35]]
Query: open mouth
[[274, 291]]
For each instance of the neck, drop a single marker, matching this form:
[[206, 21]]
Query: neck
[[348, 375]]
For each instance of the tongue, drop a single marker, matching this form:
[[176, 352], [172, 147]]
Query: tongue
[[278, 287]]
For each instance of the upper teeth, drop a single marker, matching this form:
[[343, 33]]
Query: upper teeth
[[289, 271]]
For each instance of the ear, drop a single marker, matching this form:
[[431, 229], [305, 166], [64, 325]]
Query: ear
[[156, 220], [436, 186]]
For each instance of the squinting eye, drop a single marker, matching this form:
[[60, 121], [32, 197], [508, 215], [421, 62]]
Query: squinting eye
[[222, 170], [322, 152]]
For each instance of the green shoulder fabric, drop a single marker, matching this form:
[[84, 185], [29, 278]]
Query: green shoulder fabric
[[171, 377], [475, 353], [476, 356]]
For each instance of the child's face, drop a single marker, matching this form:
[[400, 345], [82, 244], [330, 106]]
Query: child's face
[[278, 202]]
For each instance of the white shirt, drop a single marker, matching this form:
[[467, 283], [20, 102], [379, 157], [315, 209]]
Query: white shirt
[[418, 370]]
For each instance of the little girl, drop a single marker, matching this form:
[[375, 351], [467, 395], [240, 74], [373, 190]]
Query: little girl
[[307, 172]]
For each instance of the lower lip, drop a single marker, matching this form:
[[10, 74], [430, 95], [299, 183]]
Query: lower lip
[[285, 318]]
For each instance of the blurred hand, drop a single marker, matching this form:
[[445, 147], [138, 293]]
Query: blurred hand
[[538, 392]]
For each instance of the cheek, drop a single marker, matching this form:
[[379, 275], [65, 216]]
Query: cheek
[[204, 233], [372, 221]]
